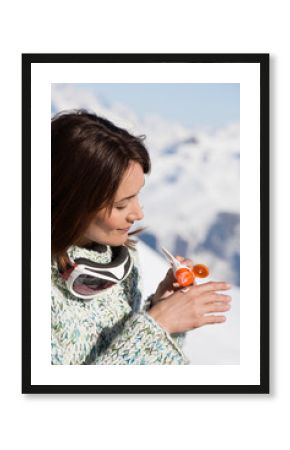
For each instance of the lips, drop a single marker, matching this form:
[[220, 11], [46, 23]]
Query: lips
[[124, 229]]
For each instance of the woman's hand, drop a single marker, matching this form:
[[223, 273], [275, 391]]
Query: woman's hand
[[169, 285], [192, 307]]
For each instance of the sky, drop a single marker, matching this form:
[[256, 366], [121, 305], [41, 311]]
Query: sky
[[191, 104]]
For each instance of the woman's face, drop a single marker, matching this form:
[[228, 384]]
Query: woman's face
[[112, 228]]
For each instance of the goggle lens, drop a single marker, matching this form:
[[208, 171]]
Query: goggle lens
[[88, 285]]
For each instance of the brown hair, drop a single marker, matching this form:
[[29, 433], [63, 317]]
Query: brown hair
[[89, 156]]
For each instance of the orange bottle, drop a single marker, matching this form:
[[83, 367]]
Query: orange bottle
[[183, 274]]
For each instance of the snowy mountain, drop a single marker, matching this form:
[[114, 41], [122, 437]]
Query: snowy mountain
[[191, 198]]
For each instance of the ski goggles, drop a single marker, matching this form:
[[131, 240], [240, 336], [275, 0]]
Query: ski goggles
[[86, 279]]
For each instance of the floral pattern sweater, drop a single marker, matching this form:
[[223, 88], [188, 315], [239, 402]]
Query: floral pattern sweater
[[112, 328]]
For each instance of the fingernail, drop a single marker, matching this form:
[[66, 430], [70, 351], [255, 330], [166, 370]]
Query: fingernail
[[184, 289]]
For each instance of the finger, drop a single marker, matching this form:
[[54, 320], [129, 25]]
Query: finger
[[216, 307], [215, 297], [212, 286], [170, 282], [184, 290], [214, 319], [186, 261]]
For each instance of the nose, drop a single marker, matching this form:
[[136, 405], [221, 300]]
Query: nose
[[136, 213]]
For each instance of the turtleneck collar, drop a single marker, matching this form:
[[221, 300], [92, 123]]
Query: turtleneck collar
[[100, 254], [97, 253]]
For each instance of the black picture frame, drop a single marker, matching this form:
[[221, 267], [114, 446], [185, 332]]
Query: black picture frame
[[259, 58]]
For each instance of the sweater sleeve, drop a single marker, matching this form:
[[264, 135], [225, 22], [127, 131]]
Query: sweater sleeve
[[83, 335], [178, 338], [142, 341], [136, 291]]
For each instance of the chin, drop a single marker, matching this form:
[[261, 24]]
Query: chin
[[120, 240]]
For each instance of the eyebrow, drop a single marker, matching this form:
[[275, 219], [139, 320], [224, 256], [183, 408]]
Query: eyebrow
[[130, 196]]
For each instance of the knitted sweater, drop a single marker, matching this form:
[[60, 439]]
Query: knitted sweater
[[112, 328]]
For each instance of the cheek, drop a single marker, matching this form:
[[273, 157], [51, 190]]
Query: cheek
[[114, 221], [111, 223]]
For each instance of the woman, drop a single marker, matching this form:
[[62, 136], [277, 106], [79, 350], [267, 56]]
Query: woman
[[97, 318]]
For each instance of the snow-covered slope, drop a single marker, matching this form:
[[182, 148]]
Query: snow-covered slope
[[219, 343]]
